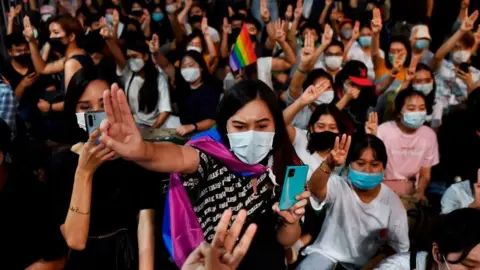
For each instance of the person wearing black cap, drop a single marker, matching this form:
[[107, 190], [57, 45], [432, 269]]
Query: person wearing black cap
[[356, 94], [28, 237]]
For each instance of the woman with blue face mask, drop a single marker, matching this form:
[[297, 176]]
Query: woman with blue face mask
[[455, 245], [364, 214], [412, 147], [239, 164], [360, 47]]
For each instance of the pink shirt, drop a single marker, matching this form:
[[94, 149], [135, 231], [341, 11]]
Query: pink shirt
[[407, 153]]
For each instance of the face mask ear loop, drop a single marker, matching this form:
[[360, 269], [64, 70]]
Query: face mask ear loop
[[446, 263]]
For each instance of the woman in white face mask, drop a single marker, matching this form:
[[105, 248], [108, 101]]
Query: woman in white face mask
[[333, 58], [198, 95], [98, 197], [146, 85], [455, 245], [455, 77], [201, 42], [424, 82], [240, 164]]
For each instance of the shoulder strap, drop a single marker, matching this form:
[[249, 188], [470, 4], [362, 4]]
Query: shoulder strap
[[413, 259]]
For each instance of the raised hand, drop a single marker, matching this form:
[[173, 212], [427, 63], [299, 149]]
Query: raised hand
[[469, 21], [280, 34], [105, 32], [376, 23], [289, 13], [224, 253], [313, 92], [264, 12], [116, 18], [298, 10], [307, 52], [327, 35], [338, 155], [204, 26], [295, 213], [154, 44], [465, 4], [146, 18], [226, 26], [230, 12], [28, 32], [328, 2], [119, 131], [398, 62], [356, 31], [371, 126], [352, 92], [410, 75]]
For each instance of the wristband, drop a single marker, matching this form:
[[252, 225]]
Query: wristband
[[51, 107], [301, 70], [196, 127]]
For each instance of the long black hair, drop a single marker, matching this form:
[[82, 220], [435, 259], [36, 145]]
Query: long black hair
[[430, 98], [77, 86], [241, 94], [148, 94]]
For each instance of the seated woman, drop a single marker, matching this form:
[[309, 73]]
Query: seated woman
[[250, 123], [455, 245], [65, 33], [197, 95], [412, 147], [104, 205], [364, 214], [146, 85]]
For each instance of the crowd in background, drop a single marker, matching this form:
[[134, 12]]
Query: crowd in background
[[379, 98]]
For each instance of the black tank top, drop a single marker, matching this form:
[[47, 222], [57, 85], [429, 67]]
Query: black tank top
[[85, 61]]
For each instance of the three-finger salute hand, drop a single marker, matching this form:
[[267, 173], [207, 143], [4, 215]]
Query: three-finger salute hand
[[338, 155]]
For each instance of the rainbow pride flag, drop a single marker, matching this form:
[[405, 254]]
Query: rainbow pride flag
[[243, 53]]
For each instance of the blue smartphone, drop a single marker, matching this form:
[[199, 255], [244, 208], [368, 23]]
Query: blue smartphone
[[93, 121], [294, 184]]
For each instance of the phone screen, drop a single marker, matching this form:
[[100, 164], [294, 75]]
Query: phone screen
[[294, 184]]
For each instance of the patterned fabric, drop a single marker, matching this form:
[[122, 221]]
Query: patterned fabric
[[8, 106], [450, 89]]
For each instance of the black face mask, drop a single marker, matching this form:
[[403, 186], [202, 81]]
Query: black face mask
[[321, 141], [23, 59], [57, 45], [195, 19]]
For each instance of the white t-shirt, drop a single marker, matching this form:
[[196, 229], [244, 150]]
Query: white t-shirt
[[356, 53], [212, 31], [353, 231], [132, 88], [401, 261], [457, 196]]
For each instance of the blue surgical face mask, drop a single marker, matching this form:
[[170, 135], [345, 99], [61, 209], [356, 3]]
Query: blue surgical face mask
[[365, 41], [363, 180], [346, 33], [422, 44], [109, 18], [413, 120], [157, 16], [251, 147], [391, 58]]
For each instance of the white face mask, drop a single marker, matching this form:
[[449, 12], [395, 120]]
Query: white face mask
[[251, 147], [425, 88], [459, 57], [190, 74], [170, 8], [193, 48], [325, 98], [333, 62], [45, 17], [136, 64], [81, 120]]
